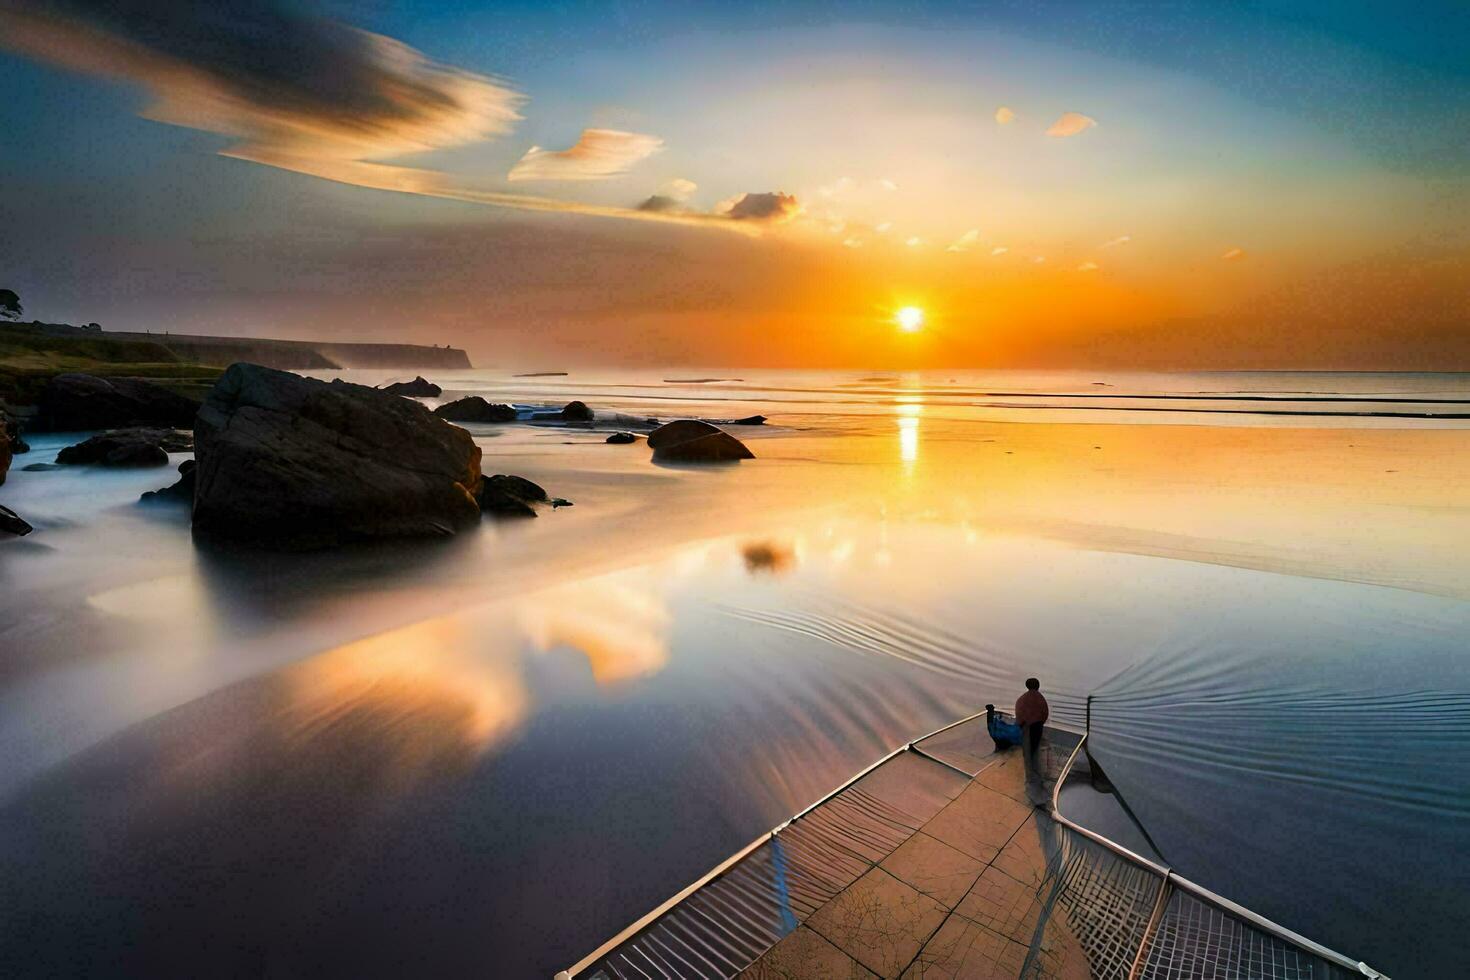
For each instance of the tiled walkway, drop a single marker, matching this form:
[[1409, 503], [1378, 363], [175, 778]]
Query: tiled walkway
[[957, 899]]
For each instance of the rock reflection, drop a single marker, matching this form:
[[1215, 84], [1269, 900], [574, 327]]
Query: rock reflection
[[768, 557]]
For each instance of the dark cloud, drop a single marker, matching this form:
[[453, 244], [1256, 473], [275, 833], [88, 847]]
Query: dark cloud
[[774, 206], [662, 204], [297, 91]]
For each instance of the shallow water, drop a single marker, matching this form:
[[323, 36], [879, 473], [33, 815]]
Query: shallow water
[[490, 755]]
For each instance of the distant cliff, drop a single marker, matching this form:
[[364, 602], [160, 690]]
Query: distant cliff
[[290, 355]]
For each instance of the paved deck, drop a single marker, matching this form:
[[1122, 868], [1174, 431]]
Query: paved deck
[[958, 898]]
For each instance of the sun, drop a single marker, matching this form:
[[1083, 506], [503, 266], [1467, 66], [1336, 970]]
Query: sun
[[909, 318]]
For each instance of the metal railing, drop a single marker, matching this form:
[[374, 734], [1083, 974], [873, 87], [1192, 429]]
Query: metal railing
[[1172, 882], [1180, 957]]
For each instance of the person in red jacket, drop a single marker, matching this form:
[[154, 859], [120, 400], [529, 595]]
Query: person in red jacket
[[1031, 714]]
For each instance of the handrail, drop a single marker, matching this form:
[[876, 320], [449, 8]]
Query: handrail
[[1173, 878], [646, 920]]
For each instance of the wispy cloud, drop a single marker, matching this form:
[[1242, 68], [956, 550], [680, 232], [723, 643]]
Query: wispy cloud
[[1087, 267], [1004, 115], [1070, 124], [295, 91], [914, 241], [999, 250], [1115, 242], [1231, 254], [965, 242], [597, 155], [679, 189]]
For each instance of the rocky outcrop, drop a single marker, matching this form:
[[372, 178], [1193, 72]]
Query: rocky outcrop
[[127, 447], [510, 496], [417, 388], [475, 409], [181, 492], [72, 402], [293, 462], [576, 412], [11, 444], [5, 454], [11, 523], [622, 438], [695, 441]]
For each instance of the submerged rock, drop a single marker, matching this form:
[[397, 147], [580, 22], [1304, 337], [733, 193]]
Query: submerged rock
[[622, 438], [181, 492], [748, 420], [127, 447], [475, 409], [417, 388], [695, 441], [40, 467], [294, 462], [83, 401], [576, 412], [11, 523], [510, 496]]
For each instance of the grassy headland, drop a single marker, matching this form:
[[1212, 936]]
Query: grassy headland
[[29, 357]]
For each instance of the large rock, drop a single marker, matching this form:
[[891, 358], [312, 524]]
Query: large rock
[[181, 492], [510, 496], [72, 402], [576, 412], [11, 523], [417, 388], [294, 462], [128, 447], [695, 441], [5, 454], [475, 409]]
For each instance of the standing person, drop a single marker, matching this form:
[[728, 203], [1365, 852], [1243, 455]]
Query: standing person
[[1031, 714]]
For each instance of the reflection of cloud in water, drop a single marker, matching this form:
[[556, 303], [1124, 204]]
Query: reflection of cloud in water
[[619, 622], [768, 556], [419, 676]]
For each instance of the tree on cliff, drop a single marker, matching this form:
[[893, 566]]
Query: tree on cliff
[[9, 305]]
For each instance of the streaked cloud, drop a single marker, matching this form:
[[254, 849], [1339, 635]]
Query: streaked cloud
[[883, 227], [774, 207], [1115, 242], [999, 250], [1004, 115], [295, 91], [965, 242], [1070, 124], [1231, 254], [1087, 267], [597, 155], [887, 185], [852, 242], [914, 241]]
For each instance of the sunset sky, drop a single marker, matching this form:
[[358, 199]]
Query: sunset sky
[[1114, 185]]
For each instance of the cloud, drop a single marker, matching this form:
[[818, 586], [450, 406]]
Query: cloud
[[1070, 124], [679, 189], [294, 90], [597, 155], [999, 250], [913, 241], [661, 203], [1004, 115], [1114, 242], [1232, 254], [965, 242], [887, 184], [774, 207], [1087, 267], [883, 227], [853, 242]]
